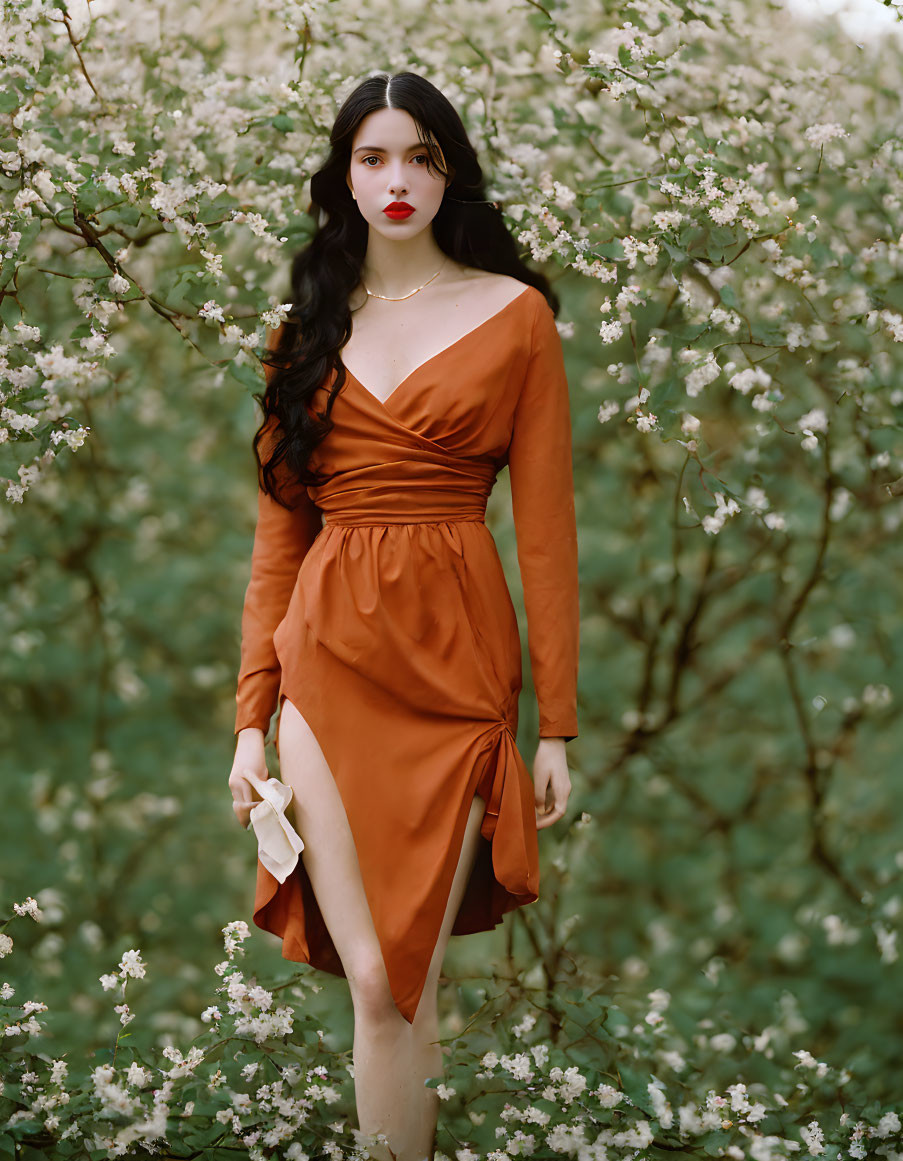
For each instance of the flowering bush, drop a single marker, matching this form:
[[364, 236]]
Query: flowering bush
[[196, 1100], [607, 1077]]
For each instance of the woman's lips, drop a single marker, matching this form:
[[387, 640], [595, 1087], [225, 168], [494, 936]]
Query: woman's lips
[[398, 213]]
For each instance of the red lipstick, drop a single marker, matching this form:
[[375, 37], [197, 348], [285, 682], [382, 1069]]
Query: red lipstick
[[397, 211]]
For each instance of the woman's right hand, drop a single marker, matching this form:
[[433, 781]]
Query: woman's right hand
[[250, 756]]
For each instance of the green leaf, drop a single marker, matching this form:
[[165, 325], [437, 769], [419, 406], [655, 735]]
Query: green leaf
[[29, 1153], [635, 1084], [716, 1142], [219, 207], [679, 256], [129, 215], [612, 249], [90, 199], [10, 311], [21, 1129], [247, 376]]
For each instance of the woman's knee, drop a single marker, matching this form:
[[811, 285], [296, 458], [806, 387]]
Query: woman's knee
[[369, 984]]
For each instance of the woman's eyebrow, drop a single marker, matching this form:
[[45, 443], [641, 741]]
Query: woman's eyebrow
[[379, 148]]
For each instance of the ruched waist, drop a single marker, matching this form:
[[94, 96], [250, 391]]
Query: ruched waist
[[422, 488], [350, 518], [400, 504], [363, 519]]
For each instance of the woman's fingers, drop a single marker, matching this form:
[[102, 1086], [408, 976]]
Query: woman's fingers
[[546, 819], [545, 811], [240, 787], [552, 790]]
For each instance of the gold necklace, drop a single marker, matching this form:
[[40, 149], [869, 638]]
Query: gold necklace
[[388, 298]]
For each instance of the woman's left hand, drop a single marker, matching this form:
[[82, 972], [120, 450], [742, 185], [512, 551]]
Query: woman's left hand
[[551, 781]]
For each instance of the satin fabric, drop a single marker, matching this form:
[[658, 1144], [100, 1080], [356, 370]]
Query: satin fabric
[[378, 605]]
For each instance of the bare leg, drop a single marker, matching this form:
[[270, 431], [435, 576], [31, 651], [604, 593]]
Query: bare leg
[[427, 1053], [418, 1044], [391, 1057]]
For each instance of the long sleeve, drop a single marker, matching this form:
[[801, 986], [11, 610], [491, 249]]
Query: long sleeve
[[540, 465], [281, 540]]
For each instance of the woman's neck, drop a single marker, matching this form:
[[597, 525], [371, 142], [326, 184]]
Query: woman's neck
[[394, 269]]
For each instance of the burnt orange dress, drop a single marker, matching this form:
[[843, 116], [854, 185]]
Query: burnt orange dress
[[378, 606]]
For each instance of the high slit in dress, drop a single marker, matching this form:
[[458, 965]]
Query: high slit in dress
[[379, 607]]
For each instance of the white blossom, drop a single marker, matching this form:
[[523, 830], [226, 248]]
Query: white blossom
[[661, 1107], [211, 310], [814, 1137], [608, 1096], [814, 420], [607, 410], [131, 964], [823, 132], [29, 907], [714, 522], [646, 423], [138, 1075], [707, 372], [744, 381], [125, 1016], [888, 1125]]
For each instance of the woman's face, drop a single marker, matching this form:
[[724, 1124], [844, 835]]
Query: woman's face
[[389, 165]]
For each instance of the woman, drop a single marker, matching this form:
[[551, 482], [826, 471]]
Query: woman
[[419, 356]]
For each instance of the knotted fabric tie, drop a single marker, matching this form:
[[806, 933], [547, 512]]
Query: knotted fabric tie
[[278, 843]]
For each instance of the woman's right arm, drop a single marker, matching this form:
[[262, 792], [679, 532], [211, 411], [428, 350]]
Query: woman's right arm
[[282, 539]]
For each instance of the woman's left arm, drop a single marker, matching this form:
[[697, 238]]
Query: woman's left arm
[[540, 464]]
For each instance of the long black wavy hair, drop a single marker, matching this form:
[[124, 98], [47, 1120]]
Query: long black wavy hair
[[467, 227]]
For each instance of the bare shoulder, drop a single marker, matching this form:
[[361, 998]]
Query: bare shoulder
[[492, 281], [499, 289]]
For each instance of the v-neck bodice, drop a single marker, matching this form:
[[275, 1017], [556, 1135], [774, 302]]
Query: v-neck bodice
[[446, 430], [474, 332]]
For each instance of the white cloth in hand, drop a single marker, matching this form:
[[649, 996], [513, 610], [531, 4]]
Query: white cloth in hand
[[278, 843]]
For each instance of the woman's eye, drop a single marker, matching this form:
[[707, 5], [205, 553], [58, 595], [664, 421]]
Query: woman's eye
[[372, 157]]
